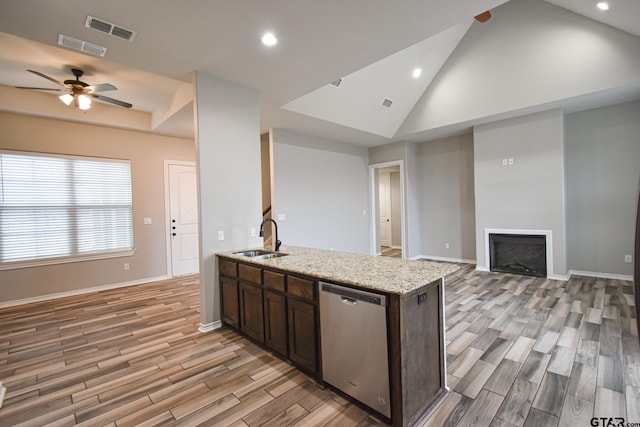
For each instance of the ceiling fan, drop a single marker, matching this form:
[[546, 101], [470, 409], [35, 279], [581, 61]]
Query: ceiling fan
[[78, 92]]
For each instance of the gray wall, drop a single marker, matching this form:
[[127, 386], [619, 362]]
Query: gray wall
[[447, 198], [603, 165], [147, 153], [229, 180], [528, 195], [322, 189]]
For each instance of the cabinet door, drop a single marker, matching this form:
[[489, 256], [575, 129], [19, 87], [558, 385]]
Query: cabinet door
[[251, 313], [302, 333], [275, 322], [229, 299]]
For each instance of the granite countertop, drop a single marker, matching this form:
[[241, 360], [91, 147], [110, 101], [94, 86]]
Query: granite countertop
[[391, 275]]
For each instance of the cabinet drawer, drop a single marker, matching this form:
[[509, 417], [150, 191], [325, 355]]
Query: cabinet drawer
[[250, 274], [301, 288], [273, 280], [228, 268]]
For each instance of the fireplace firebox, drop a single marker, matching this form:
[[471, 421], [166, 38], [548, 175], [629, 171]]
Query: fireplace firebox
[[518, 254]]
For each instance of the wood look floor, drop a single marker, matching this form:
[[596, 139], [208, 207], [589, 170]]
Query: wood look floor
[[391, 252], [521, 351]]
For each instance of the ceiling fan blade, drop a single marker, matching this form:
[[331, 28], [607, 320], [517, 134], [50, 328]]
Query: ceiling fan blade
[[112, 101], [41, 88], [101, 87], [38, 73]]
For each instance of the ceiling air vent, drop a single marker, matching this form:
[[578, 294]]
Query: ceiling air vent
[[387, 102], [109, 28], [336, 83], [81, 45]]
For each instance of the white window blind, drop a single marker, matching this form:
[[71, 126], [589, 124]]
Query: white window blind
[[61, 206]]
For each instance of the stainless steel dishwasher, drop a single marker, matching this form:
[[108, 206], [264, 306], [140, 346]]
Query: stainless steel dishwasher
[[353, 330]]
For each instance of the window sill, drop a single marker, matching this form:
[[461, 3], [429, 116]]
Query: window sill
[[65, 260]]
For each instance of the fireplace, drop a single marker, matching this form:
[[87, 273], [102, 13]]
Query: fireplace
[[518, 253]]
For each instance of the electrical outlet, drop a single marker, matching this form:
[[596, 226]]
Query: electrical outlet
[[282, 217], [147, 221], [220, 235], [510, 161], [446, 246], [126, 266], [252, 232], [627, 259]]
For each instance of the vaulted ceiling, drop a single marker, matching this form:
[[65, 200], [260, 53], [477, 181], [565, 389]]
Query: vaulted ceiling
[[524, 58]]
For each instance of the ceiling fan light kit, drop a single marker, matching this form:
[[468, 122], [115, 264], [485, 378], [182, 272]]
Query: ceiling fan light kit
[[78, 92]]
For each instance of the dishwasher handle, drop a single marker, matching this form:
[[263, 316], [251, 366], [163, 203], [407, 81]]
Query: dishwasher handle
[[352, 296]]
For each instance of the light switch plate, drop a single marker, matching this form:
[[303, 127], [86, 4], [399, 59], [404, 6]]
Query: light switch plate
[[627, 259], [252, 232], [220, 235], [282, 217]]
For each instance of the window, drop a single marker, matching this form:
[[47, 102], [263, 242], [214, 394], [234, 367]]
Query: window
[[61, 208]]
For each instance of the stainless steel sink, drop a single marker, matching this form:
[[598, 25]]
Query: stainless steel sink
[[270, 255], [260, 254], [252, 253]]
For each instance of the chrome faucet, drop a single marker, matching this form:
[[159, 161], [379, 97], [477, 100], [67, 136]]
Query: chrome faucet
[[278, 242]]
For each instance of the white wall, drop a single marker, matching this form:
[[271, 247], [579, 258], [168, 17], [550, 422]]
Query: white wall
[[528, 195], [447, 198], [603, 166], [229, 181], [322, 189]]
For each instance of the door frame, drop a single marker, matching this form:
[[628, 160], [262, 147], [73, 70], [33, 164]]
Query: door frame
[[167, 209], [375, 206]]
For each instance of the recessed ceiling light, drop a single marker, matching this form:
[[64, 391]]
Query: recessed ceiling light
[[269, 39], [417, 72], [603, 5]]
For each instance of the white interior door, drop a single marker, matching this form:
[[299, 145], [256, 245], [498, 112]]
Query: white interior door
[[183, 226], [384, 183]]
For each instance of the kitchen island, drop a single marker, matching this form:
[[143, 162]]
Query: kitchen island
[[275, 302]]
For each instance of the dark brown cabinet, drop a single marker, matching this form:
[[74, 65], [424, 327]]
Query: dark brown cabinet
[[303, 329], [273, 308], [229, 305], [275, 322], [251, 312], [229, 302]]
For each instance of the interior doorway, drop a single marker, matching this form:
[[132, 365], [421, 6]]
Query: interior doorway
[[387, 209], [181, 205]]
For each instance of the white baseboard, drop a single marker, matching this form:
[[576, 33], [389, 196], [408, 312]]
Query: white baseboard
[[579, 273], [80, 291], [564, 277], [600, 275], [208, 327], [447, 259]]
